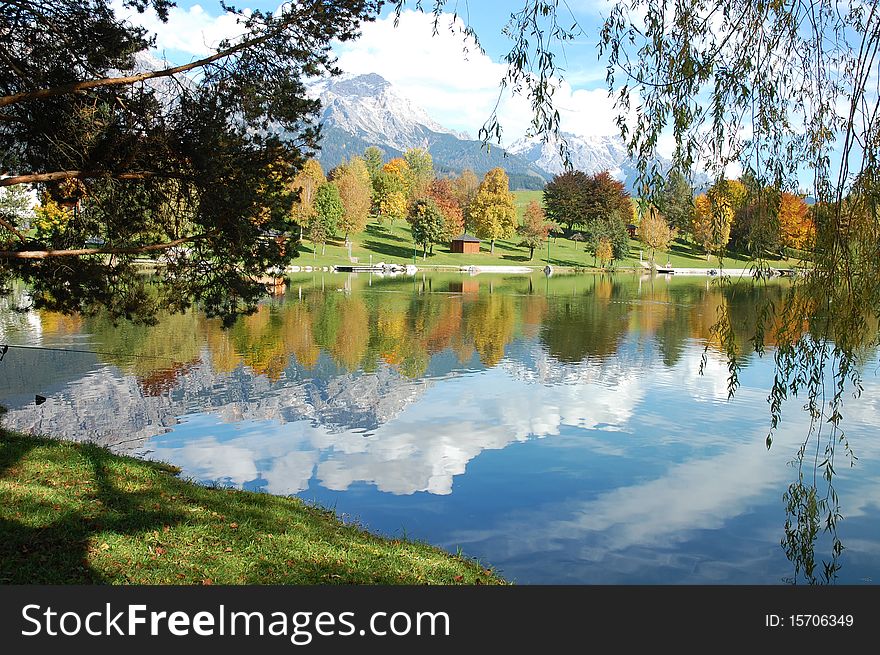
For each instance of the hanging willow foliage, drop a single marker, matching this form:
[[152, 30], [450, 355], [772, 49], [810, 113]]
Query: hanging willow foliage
[[788, 92]]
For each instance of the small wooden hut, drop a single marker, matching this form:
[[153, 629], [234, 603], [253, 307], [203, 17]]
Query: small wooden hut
[[466, 244]]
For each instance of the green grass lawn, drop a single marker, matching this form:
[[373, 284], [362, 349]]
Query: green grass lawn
[[394, 244], [77, 514]]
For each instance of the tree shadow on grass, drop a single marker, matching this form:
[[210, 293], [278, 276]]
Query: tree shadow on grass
[[388, 249], [686, 250], [49, 525], [379, 231], [76, 514]]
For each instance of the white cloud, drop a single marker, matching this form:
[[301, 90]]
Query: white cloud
[[460, 89], [443, 73], [193, 31]]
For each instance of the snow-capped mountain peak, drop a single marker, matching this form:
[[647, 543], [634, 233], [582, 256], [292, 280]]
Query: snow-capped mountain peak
[[371, 108], [590, 154]]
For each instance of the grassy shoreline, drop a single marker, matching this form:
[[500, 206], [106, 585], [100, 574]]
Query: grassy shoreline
[[392, 244], [77, 514]]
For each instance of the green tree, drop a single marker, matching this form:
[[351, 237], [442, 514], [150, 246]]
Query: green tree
[[428, 226], [676, 202], [374, 158], [172, 161], [493, 209], [329, 211], [755, 229], [16, 209], [612, 232]]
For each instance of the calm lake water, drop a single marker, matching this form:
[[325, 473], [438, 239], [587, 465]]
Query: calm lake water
[[556, 428]]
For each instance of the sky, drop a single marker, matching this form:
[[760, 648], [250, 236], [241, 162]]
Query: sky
[[458, 86]]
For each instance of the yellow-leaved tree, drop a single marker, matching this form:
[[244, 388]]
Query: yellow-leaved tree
[[493, 211], [306, 182], [712, 218], [796, 226], [655, 232]]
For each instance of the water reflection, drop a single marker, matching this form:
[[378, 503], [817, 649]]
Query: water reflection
[[558, 428]]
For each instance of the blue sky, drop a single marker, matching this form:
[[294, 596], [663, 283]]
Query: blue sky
[[458, 90]]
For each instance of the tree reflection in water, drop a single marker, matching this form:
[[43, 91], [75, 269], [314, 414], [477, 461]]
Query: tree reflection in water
[[329, 326]]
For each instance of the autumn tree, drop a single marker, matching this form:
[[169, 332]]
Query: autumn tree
[[174, 161], [564, 198], [442, 192], [713, 216], [603, 251], [465, 187], [355, 191], [428, 226], [534, 228], [655, 232], [605, 199], [391, 191], [795, 223], [418, 173], [493, 210], [306, 184]]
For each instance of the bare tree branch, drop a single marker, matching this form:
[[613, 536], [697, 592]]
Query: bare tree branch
[[9, 226], [33, 178], [83, 85], [135, 250]]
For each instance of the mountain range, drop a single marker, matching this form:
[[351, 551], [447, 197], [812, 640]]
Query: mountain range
[[367, 110]]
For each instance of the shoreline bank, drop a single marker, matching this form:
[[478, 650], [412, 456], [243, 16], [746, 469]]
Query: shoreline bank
[[74, 513]]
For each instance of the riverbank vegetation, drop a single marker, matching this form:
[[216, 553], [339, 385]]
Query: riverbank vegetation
[[77, 514], [394, 244]]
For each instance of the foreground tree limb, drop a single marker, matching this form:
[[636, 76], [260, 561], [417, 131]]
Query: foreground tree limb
[[80, 252], [35, 178]]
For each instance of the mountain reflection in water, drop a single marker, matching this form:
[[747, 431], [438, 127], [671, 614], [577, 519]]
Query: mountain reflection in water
[[557, 428]]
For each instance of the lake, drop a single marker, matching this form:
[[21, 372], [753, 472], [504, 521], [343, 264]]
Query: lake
[[558, 429]]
